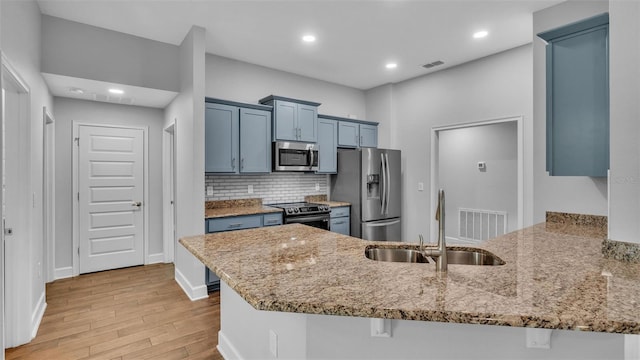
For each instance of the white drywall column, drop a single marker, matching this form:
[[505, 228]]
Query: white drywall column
[[188, 109], [1, 214], [624, 95]]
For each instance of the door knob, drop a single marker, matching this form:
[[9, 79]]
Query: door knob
[[137, 204]]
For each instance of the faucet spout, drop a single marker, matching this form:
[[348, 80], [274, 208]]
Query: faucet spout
[[440, 252]]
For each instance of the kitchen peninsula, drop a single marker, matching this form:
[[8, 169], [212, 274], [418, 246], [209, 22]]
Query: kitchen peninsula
[[319, 289]]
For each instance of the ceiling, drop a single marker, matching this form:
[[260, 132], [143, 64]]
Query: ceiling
[[355, 38]]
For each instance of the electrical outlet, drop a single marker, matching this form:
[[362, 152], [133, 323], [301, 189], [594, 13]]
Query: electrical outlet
[[250, 189], [209, 190], [273, 343], [317, 186], [420, 186]]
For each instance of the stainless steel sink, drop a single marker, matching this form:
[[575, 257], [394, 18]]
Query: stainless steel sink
[[455, 256], [395, 255], [472, 257]]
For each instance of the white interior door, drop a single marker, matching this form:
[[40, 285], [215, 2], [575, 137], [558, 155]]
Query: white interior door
[[110, 196]]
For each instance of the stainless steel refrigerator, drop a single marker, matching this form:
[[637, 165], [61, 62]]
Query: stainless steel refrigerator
[[370, 180]]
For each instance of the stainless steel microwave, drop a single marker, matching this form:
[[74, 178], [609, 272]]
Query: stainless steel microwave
[[295, 156]]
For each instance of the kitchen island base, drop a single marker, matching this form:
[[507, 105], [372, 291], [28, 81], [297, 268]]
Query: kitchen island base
[[247, 333]]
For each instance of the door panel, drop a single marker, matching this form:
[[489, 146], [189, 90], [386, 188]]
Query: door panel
[[221, 134], [111, 190], [372, 185], [255, 141], [307, 122]]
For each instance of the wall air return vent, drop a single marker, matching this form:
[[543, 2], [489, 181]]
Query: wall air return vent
[[430, 65]]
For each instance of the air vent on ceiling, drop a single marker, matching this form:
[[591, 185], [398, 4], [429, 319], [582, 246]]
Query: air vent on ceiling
[[430, 65]]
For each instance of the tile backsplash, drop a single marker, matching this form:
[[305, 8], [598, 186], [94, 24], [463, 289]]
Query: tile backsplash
[[272, 188]]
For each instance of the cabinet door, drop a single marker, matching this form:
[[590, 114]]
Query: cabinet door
[[221, 138], [255, 141], [284, 121], [368, 135], [307, 123], [348, 133], [327, 146]]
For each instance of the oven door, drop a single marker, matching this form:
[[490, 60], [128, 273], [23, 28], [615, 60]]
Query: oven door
[[319, 221]]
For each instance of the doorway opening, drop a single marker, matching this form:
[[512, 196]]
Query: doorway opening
[[168, 192], [16, 210], [480, 167]]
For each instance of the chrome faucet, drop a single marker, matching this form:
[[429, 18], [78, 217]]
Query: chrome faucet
[[439, 252]]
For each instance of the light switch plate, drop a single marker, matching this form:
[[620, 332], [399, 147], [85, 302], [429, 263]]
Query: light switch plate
[[317, 186], [250, 189], [209, 190], [273, 343], [420, 186]]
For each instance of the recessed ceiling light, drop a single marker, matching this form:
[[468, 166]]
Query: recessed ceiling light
[[391, 66], [116, 91], [76, 90], [309, 38], [480, 34]]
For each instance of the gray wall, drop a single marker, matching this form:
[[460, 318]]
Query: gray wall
[[494, 87], [69, 110], [465, 186], [78, 50], [575, 194], [240, 81], [379, 104], [624, 57]]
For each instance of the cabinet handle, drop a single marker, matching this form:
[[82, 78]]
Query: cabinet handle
[[339, 222], [234, 225], [299, 134], [242, 164], [295, 133], [233, 163], [360, 139]]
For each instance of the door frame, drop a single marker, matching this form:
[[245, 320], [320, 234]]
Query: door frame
[[435, 162], [74, 179], [168, 191], [20, 319], [48, 194]]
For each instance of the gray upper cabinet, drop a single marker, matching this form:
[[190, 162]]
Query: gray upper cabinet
[[368, 135], [327, 146], [221, 138], [293, 120], [577, 85], [355, 133], [348, 134], [237, 138]]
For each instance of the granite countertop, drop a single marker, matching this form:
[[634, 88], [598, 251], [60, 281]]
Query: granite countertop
[[322, 199], [551, 279], [225, 208]]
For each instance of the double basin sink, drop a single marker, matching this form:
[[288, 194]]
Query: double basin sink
[[455, 256]]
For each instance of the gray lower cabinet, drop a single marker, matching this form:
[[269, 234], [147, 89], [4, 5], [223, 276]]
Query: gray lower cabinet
[[340, 220], [236, 223], [327, 146], [577, 85], [237, 139]]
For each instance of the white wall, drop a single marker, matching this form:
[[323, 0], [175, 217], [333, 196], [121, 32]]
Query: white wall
[[83, 51], [91, 112], [495, 188], [379, 104], [574, 194], [624, 71], [494, 87], [1, 214], [240, 81], [21, 41], [187, 110]]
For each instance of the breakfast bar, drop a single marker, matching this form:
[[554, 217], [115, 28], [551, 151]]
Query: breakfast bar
[[306, 292]]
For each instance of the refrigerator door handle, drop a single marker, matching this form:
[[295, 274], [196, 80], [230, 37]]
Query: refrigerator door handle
[[388, 183], [383, 196], [378, 224]]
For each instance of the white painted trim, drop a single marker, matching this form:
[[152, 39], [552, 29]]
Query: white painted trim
[[168, 186], [435, 162], [226, 348], [155, 258], [194, 293], [74, 180], [38, 314], [631, 347], [63, 273]]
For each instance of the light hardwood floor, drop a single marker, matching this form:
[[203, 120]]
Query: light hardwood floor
[[133, 313]]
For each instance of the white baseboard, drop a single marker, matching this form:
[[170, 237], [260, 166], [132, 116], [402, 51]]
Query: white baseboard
[[194, 293], [37, 315], [226, 348], [63, 273], [155, 258]]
